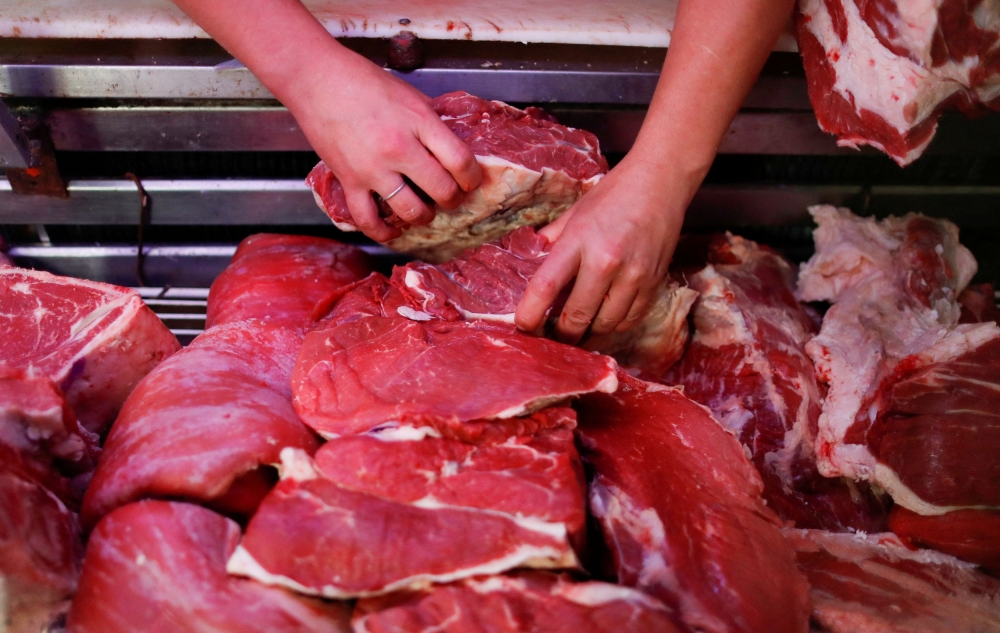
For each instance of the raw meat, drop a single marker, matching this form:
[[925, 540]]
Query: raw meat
[[160, 567], [533, 170], [414, 510], [680, 507], [40, 434], [362, 373], [979, 304], [94, 341], [280, 279], [863, 584], [747, 363], [893, 284], [880, 73], [40, 551], [971, 535], [488, 282], [206, 424], [529, 602]]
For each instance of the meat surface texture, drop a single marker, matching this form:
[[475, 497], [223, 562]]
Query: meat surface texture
[[872, 583], [205, 424], [488, 282], [747, 362], [527, 602], [680, 507], [971, 535], [94, 341], [880, 73], [365, 372], [533, 170], [159, 567], [425, 510], [280, 279]]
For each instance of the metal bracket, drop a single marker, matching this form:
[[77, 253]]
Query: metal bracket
[[14, 151], [41, 176]]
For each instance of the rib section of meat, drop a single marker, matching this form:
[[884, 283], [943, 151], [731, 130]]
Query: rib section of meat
[[533, 170], [400, 509], [747, 362], [880, 73], [280, 279], [94, 341], [680, 507], [864, 583], [206, 424], [362, 373], [527, 602], [488, 282], [161, 566]]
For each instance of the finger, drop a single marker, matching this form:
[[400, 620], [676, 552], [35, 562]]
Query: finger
[[638, 310], [428, 174], [552, 231], [407, 204], [365, 214], [616, 307], [454, 155], [592, 284], [556, 271]]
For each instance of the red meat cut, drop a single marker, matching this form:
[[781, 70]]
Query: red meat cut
[[971, 535], [359, 374], [160, 567], [527, 602], [533, 170], [398, 509], [488, 282], [280, 279], [680, 507], [880, 73], [94, 341], [747, 362], [979, 304], [206, 424], [874, 583]]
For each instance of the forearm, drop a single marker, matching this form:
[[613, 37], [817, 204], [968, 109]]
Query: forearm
[[716, 52]]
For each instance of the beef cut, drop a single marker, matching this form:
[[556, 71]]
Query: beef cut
[[868, 583], [359, 374], [205, 425], [533, 170], [280, 279], [880, 73], [680, 507], [160, 567], [398, 509], [488, 282], [94, 341], [526, 602], [747, 362], [971, 535]]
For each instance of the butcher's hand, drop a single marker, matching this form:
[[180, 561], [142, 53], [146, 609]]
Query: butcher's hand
[[369, 127], [616, 242]]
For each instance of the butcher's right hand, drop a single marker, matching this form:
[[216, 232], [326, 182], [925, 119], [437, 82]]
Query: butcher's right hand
[[372, 129]]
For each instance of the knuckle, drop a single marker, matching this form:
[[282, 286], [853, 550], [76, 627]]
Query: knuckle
[[577, 316], [542, 286], [606, 263], [395, 146]]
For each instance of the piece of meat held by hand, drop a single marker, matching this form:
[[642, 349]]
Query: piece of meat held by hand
[[680, 507], [533, 170], [398, 509], [160, 567], [486, 283], [875, 583], [372, 370], [523, 602], [747, 362], [94, 341], [210, 419], [280, 279]]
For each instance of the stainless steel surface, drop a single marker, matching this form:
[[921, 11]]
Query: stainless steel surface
[[14, 150]]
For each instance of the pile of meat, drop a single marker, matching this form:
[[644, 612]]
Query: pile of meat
[[880, 73]]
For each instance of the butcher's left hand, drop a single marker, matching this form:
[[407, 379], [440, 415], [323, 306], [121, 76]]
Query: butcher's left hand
[[616, 241]]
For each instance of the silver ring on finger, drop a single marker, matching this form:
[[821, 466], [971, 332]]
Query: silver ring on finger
[[395, 191]]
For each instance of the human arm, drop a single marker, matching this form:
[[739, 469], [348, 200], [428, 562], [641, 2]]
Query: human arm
[[618, 239], [370, 127]]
